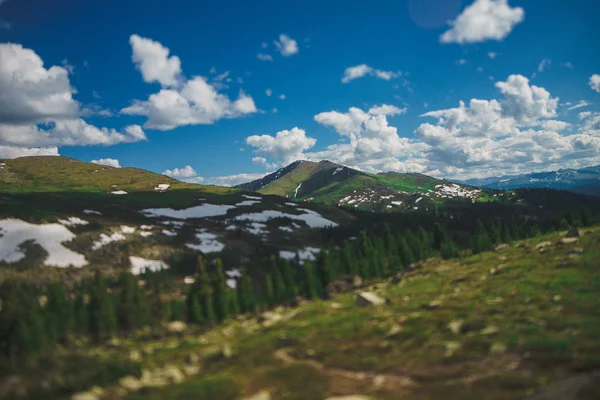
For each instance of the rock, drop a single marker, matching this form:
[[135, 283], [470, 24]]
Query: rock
[[84, 396], [568, 240], [573, 232], [394, 331], [575, 250], [574, 257], [357, 282], [498, 348], [501, 247], [191, 370], [351, 397], [227, 351], [172, 374], [493, 271], [337, 287], [490, 330], [433, 305], [135, 356], [557, 298], [378, 381], [286, 341], [455, 326], [335, 306], [543, 245], [451, 348], [298, 301], [364, 299], [130, 383], [192, 358], [262, 395], [502, 258], [176, 326]]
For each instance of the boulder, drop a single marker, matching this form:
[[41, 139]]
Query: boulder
[[357, 281], [130, 383], [262, 395], [394, 331], [351, 397], [396, 278], [573, 232], [575, 250], [433, 305], [337, 287], [191, 369], [176, 326], [85, 396], [456, 326], [490, 330], [364, 299], [568, 240], [192, 358], [543, 245], [501, 247]]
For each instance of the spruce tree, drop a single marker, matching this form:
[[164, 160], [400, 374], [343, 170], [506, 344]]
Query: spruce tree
[[220, 291], [312, 284], [289, 277], [59, 313], [246, 298], [439, 236], [279, 288], [126, 309], [269, 291], [349, 260], [80, 310], [406, 253], [205, 292], [101, 311]]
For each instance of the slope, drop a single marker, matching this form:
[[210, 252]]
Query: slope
[[516, 323], [330, 183]]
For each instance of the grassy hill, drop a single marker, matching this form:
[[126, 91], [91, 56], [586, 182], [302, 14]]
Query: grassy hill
[[517, 323], [330, 183]]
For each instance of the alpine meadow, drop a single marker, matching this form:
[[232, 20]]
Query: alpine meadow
[[314, 200]]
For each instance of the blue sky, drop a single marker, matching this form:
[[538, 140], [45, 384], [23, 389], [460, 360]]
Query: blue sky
[[527, 64]]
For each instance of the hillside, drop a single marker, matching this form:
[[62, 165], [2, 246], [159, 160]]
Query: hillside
[[584, 181], [330, 183], [108, 215], [519, 322]]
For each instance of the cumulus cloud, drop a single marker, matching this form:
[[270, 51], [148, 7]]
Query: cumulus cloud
[[483, 20], [286, 45], [286, 146], [510, 135], [9, 152], [232, 180], [268, 92], [545, 63], [37, 108], [192, 102], [110, 162], [492, 55], [263, 161], [595, 82], [359, 71], [178, 173], [153, 61]]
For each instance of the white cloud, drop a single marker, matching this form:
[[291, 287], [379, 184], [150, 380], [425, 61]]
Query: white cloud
[[282, 96], [493, 55], [193, 102], [359, 71], [263, 161], [526, 103], [595, 82], [286, 146], [67, 66], [483, 20], [153, 61], [568, 64], [544, 64], [264, 57], [37, 108], [110, 162], [462, 61], [268, 92], [580, 104], [232, 180], [386, 109], [177, 173], [8, 152], [554, 125], [286, 45]]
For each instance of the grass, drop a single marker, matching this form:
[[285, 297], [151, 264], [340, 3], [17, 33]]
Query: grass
[[521, 329]]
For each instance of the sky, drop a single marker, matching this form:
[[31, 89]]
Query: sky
[[225, 92]]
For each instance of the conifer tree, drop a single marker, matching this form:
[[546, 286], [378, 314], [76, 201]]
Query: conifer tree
[[269, 292], [101, 311], [59, 313], [439, 236], [349, 259], [246, 296], [289, 277], [406, 253], [205, 292], [313, 287], [126, 310], [81, 319], [220, 291], [279, 287]]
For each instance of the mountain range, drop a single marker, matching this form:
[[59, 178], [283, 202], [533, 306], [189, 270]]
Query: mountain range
[[335, 184], [584, 180]]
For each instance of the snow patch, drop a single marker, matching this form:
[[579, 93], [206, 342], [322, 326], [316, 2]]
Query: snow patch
[[72, 221], [251, 197], [397, 203], [311, 218], [14, 232], [247, 203], [140, 265], [127, 229], [307, 253], [286, 229], [201, 211], [162, 187], [338, 169], [92, 212], [146, 227], [291, 204], [106, 239], [118, 192], [418, 200], [208, 243], [296, 192], [232, 283], [256, 228], [146, 234], [167, 232]]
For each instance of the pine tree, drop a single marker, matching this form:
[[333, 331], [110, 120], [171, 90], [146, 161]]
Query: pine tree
[[406, 253], [126, 309], [312, 284], [59, 313], [449, 249], [246, 296], [220, 291], [279, 287], [289, 277], [481, 241], [349, 259], [80, 310], [101, 310], [269, 292], [439, 236], [205, 292]]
